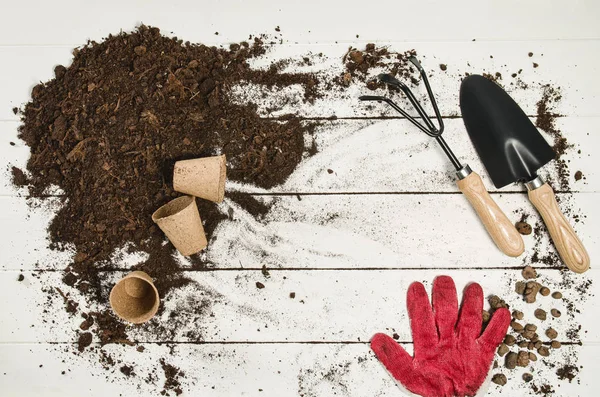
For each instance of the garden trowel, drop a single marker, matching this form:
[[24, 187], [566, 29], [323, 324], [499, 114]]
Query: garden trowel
[[512, 150]]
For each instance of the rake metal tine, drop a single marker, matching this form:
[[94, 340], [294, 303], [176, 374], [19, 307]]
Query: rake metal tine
[[436, 110], [396, 108]]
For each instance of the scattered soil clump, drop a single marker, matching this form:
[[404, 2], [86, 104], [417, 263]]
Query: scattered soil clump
[[529, 272], [540, 314], [19, 178], [499, 379], [360, 62], [85, 339], [524, 228], [127, 370], [568, 372], [511, 360], [546, 120], [531, 290], [172, 381]]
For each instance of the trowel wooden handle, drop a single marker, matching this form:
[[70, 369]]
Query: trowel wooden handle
[[501, 230], [568, 245]]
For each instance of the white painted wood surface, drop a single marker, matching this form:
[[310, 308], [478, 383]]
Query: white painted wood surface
[[330, 231], [330, 305], [235, 370], [348, 257]]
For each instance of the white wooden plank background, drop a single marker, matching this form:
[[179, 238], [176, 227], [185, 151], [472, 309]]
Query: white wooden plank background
[[330, 231], [69, 22], [330, 305], [390, 213], [258, 370]]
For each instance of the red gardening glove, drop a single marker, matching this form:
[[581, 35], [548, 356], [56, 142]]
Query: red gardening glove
[[450, 357]]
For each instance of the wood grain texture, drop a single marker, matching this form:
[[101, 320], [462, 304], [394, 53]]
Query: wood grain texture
[[249, 370], [330, 306], [365, 231], [190, 20], [499, 227], [568, 245]]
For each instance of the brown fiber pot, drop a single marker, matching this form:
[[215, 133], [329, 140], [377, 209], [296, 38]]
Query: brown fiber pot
[[180, 221], [203, 177], [134, 298]]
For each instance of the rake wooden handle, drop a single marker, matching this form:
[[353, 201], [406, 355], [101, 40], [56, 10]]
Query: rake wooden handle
[[568, 245], [500, 229]]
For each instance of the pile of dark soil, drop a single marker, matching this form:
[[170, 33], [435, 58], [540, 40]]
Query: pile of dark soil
[[108, 128], [107, 131]]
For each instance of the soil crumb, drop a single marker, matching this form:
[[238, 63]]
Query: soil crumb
[[568, 372], [172, 382], [127, 370], [85, 339], [524, 228], [360, 62], [19, 178]]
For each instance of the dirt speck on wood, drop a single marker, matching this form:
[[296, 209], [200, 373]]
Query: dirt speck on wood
[[172, 378], [19, 178]]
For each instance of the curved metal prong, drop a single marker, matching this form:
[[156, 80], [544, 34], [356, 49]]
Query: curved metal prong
[[415, 62], [391, 80], [398, 109], [436, 110], [372, 98]]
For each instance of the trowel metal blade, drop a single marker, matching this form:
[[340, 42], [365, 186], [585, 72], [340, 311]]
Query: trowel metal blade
[[510, 146]]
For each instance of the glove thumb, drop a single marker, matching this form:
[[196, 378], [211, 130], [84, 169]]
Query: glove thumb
[[395, 359]]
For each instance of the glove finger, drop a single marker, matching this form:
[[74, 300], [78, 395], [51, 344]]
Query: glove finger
[[421, 319], [496, 329], [445, 306], [395, 359], [471, 319]]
